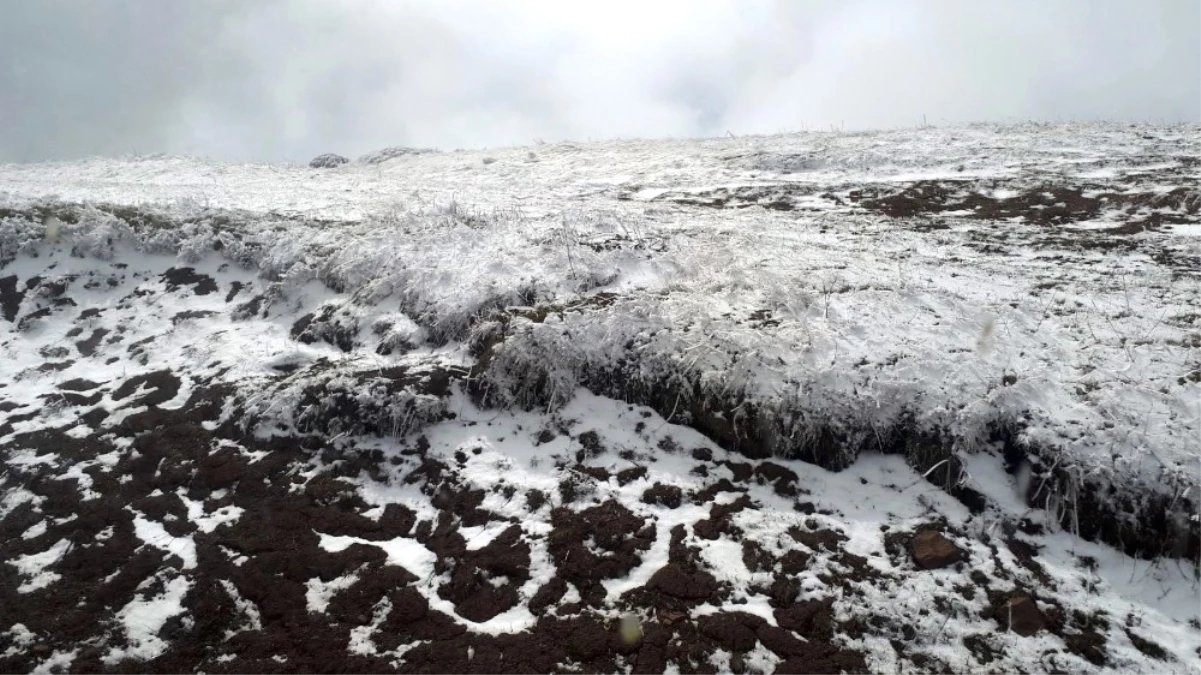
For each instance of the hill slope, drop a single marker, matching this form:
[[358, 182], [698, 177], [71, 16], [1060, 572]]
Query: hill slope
[[463, 411]]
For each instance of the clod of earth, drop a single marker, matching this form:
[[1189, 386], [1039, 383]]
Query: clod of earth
[[931, 550], [1021, 615]]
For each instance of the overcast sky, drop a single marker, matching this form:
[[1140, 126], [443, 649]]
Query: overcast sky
[[289, 79]]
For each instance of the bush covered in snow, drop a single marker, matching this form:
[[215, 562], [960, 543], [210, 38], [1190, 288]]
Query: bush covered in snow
[[327, 161]]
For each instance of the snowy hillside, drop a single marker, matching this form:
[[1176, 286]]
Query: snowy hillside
[[905, 400]]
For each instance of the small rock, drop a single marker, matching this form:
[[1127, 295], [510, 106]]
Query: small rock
[[1021, 616], [328, 161], [931, 550]]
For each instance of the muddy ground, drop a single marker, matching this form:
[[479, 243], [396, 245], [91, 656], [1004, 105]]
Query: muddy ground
[[246, 610]]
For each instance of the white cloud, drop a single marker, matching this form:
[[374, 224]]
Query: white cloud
[[289, 79]]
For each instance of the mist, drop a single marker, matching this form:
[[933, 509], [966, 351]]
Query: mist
[[284, 80]]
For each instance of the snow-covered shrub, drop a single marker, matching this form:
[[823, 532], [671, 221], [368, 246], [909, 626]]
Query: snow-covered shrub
[[327, 161]]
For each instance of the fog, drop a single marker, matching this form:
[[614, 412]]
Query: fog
[[284, 80]]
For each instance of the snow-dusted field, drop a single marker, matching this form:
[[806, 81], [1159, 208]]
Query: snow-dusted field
[[669, 405]]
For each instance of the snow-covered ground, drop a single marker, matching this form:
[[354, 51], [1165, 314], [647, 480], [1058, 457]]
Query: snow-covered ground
[[480, 410]]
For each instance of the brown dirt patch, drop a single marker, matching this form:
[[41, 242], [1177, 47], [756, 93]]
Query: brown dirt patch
[[601, 542], [177, 277]]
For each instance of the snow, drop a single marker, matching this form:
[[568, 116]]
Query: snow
[[402, 551], [144, 617], [480, 536], [318, 593], [19, 637], [35, 567], [207, 522], [1188, 230], [617, 256], [895, 496], [154, 534], [656, 557], [57, 662], [899, 302], [253, 618], [15, 497], [27, 458], [35, 530]]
